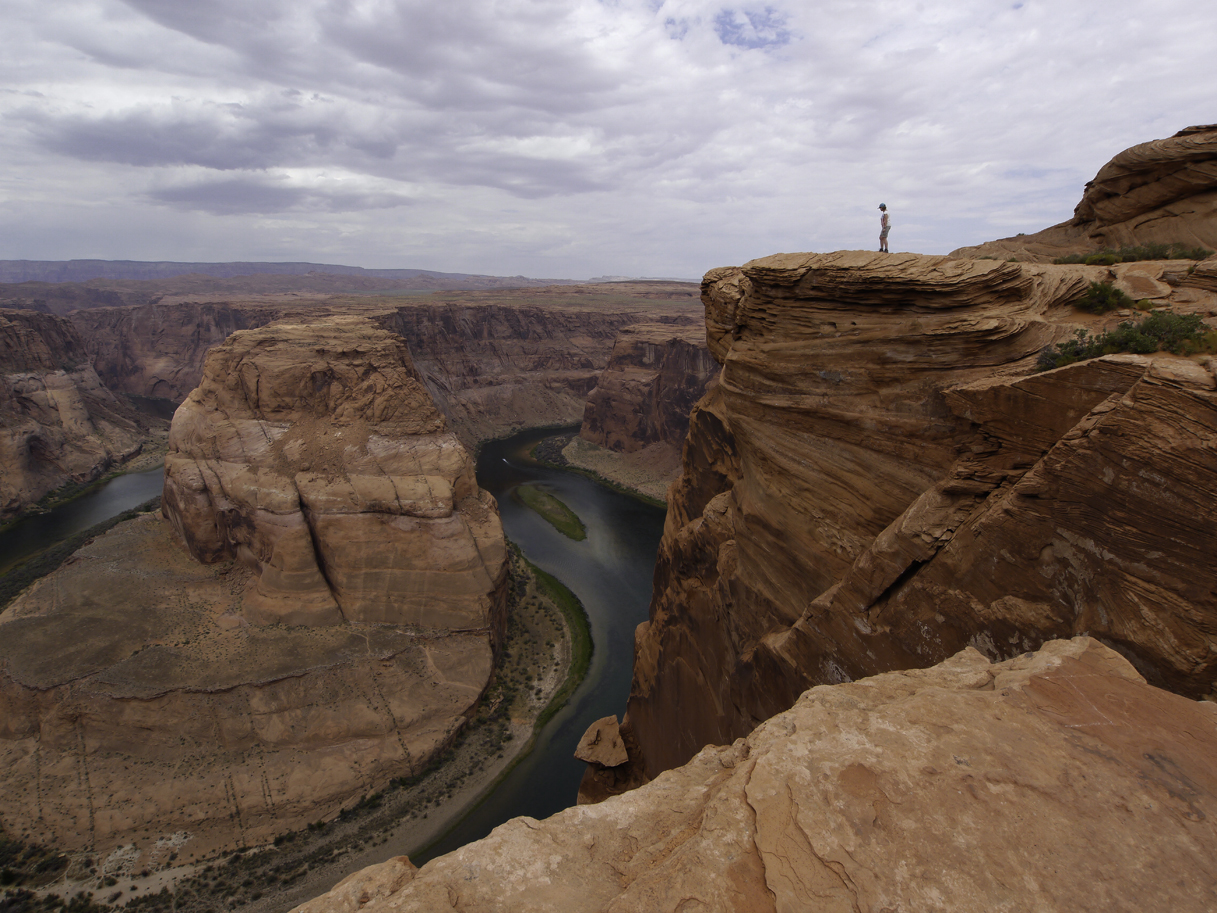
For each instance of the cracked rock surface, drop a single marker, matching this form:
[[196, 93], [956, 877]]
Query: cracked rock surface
[[1058, 780]]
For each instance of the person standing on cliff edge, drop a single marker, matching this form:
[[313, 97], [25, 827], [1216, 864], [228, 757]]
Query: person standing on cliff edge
[[885, 225]]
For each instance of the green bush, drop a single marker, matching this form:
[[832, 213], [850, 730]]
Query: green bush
[[1102, 297], [1111, 256], [1182, 334]]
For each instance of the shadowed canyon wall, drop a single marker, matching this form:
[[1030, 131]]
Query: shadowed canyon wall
[[59, 423], [655, 374]]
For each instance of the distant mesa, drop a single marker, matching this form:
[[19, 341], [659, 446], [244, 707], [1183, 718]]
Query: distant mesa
[[84, 270]]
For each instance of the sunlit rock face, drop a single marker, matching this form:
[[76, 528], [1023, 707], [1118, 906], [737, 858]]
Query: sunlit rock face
[[1163, 191], [330, 623], [655, 375], [315, 454], [880, 479], [58, 422], [1058, 780]]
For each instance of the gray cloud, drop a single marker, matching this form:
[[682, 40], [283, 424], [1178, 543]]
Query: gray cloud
[[572, 137], [243, 196]]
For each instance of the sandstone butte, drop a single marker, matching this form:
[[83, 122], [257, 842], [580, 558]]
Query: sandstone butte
[[59, 424], [333, 624], [1057, 780]]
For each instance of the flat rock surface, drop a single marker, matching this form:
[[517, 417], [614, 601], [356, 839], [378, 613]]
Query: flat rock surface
[[1057, 780]]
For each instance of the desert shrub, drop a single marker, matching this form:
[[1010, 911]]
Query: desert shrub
[[1182, 334], [1102, 297], [1111, 256]]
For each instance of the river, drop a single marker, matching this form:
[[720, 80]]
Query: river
[[33, 534], [610, 571]]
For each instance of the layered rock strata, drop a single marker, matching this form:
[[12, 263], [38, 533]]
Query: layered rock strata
[[59, 423], [879, 480], [655, 375], [313, 453], [492, 366], [1163, 191], [964, 787], [336, 630]]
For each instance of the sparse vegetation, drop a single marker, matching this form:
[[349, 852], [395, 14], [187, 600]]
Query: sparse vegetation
[[1102, 297], [1182, 334], [557, 514], [21, 576], [1111, 256]]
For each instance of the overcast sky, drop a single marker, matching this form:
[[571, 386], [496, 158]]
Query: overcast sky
[[571, 138]]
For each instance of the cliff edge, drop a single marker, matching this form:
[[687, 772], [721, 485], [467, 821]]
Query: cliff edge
[[1058, 780]]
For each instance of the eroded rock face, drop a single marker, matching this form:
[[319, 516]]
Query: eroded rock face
[[336, 630], [58, 422], [156, 349], [878, 481], [315, 454], [655, 375], [965, 787], [1164, 191]]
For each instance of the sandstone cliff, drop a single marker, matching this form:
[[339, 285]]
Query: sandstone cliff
[[878, 480], [340, 629], [654, 376], [1054, 781], [1164, 192], [494, 363], [59, 423]]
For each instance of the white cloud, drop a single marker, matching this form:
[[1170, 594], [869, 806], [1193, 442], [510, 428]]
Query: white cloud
[[569, 137]]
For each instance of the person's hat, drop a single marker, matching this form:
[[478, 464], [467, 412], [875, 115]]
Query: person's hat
[[883, 206]]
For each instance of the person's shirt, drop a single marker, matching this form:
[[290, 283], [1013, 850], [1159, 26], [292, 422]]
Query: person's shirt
[[884, 221]]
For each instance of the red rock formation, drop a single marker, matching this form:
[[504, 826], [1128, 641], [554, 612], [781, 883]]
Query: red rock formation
[[655, 374], [877, 482], [493, 367], [314, 454], [58, 422], [1164, 192], [1054, 781], [339, 633]]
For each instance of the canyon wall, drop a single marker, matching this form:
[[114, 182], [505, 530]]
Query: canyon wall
[[655, 374], [59, 423], [493, 367], [879, 479], [1058, 780], [330, 624], [1163, 191]]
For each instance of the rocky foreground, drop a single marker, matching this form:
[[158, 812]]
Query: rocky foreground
[[1057, 780]]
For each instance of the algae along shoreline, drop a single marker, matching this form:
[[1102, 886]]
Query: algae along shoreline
[[551, 508]]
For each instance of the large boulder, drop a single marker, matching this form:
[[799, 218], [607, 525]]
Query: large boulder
[[1057, 780]]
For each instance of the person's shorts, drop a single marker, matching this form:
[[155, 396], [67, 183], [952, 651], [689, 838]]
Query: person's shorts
[[883, 233]]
